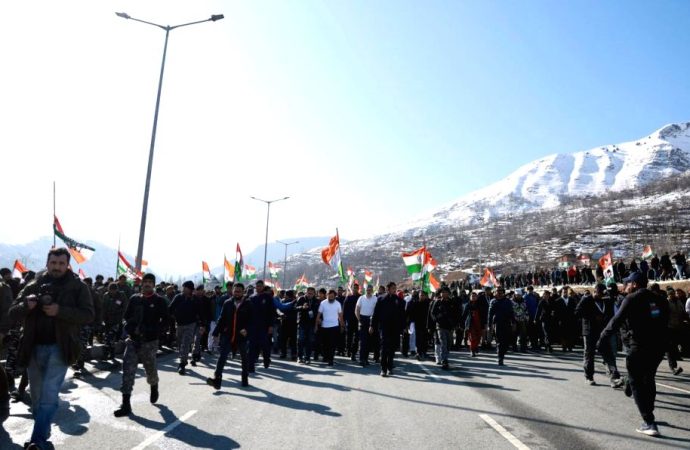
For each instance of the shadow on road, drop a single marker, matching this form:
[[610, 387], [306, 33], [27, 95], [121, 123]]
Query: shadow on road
[[275, 399], [185, 433]]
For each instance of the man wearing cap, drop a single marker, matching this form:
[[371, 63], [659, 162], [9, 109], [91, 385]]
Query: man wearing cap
[[646, 315], [596, 311], [185, 310], [145, 316]]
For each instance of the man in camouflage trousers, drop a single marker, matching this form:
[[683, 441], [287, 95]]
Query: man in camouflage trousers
[[146, 315], [114, 307]]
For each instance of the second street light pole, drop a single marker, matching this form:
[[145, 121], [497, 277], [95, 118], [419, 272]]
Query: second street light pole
[[144, 209], [268, 214], [286, 244]]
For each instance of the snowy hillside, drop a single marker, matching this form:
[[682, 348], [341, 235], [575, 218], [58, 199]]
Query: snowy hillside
[[545, 182]]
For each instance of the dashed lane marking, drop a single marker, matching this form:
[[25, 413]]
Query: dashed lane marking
[[503, 432], [673, 387]]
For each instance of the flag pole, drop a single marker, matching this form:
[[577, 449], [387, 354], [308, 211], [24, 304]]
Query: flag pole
[[117, 261], [340, 253], [53, 213]]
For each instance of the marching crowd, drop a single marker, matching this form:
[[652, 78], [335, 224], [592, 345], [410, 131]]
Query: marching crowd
[[49, 319]]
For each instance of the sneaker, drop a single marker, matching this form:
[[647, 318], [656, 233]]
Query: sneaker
[[677, 371], [590, 381], [617, 383], [193, 363], [214, 382], [650, 429], [181, 370], [384, 373]]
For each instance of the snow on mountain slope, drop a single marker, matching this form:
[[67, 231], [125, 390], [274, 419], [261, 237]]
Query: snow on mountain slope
[[543, 183]]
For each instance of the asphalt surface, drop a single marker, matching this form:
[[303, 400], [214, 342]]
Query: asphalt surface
[[537, 400]]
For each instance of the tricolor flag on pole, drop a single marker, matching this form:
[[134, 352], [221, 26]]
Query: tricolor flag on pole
[[124, 267], [19, 269], [489, 279], [229, 272], [273, 270], [80, 252], [249, 273], [431, 284], [331, 256], [606, 263], [647, 252], [205, 272], [301, 283], [239, 264], [414, 263]]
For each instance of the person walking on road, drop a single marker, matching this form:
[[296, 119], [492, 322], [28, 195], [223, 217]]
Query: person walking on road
[[501, 320], [387, 321], [185, 310], [646, 315], [330, 319], [364, 310], [146, 316], [596, 311]]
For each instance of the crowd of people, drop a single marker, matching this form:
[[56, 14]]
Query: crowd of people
[[657, 268], [49, 321]]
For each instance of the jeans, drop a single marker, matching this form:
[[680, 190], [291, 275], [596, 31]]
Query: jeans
[[47, 372], [225, 348], [441, 343], [305, 337], [680, 272], [608, 353]]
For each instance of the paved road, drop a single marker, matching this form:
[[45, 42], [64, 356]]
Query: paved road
[[540, 401]]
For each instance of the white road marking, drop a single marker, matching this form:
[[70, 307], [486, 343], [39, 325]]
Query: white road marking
[[164, 431], [101, 374], [503, 432], [429, 372], [673, 387]]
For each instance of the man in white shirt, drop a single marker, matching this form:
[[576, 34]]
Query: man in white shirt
[[364, 310], [330, 319]]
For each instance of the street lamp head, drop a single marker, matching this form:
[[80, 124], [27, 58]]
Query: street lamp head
[[217, 17], [123, 15], [285, 198]]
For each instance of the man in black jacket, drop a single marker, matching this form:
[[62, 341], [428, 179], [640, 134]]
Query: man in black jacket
[[262, 332], [232, 331], [387, 320], [501, 319], [646, 315], [307, 309], [351, 322], [445, 316], [52, 307], [596, 311], [146, 315], [185, 309]]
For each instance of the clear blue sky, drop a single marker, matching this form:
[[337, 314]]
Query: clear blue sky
[[365, 113]]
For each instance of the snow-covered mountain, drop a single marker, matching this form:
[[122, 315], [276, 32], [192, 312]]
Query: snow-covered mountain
[[546, 182]]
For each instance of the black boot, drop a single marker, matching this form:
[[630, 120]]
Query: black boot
[[215, 382], [125, 407], [154, 393]]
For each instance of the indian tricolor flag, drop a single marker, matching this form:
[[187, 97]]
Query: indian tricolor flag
[[80, 252], [489, 279], [239, 263], [205, 272], [273, 270], [124, 267], [414, 262], [368, 276], [647, 252], [229, 272], [431, 284], [19, 269], [331, 256], [82, 274], [249, 272], [301, 283]]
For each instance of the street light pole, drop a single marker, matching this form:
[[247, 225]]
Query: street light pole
[[286, 244], [144, 209], [268, 214]]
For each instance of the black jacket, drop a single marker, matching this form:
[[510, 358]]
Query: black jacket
[[264, 311], [595, 315], [467, 314], [444, 314], [645, 315], [146, 317], [501, 313], [233, 319], [349, 310], [303, 318], [388, 317], [185, 310]]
